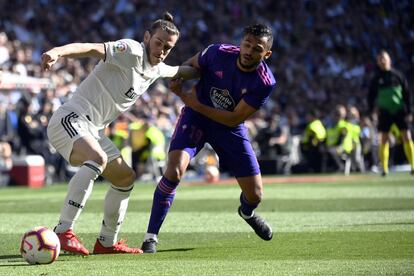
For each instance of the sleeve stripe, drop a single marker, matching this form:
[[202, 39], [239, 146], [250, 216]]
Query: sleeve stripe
[[229, 48], [263, 75]]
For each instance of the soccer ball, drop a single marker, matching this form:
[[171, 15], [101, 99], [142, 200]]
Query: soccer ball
[[40, 245]]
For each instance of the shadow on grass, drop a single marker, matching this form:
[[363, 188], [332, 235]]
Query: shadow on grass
[[12, 260], [11, 257], [13, 265], [15, 260], [176, 250]]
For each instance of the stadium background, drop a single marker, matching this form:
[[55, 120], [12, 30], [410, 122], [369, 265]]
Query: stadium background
[[323, 55]]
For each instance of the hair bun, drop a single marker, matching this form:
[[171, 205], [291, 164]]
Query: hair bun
[[168, 17]]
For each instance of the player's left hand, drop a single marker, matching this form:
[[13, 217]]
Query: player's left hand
[[176, 86]]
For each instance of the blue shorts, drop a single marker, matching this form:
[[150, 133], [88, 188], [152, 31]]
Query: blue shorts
[[232, 145]]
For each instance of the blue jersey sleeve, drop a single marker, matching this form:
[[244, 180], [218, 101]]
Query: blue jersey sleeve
[[259, 97], [207, 56], [259, 92]]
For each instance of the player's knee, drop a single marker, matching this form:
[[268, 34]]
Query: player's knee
[[130, 178], [174, 173], [256, 196], [77, 158], [100, 158], [126, 179], [260, 195]]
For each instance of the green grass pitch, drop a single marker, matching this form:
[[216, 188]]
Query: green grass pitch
[[363, 226]]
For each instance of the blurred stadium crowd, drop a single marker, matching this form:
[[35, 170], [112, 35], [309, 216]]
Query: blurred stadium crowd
[[323, 56]]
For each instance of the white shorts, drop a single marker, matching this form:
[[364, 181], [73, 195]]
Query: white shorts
[[66, 126]]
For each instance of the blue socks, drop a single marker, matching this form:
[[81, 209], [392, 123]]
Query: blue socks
[[164, 196], [246, 206], [163, 199]]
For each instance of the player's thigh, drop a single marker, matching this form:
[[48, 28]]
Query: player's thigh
[[74, 138], [385, 120], [188, 139], [189, 134], [403, 126], [400, 121], [111, 151], [406, 135], [235, 152], [87, 148], [119, 173]]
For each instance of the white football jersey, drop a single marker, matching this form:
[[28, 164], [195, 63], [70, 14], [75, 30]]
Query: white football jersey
[[116, 82]]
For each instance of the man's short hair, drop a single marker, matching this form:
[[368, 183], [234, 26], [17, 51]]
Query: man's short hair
[[166, 24], [260, 30]]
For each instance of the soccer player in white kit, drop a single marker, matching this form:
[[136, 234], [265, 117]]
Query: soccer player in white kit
[[125, 71]]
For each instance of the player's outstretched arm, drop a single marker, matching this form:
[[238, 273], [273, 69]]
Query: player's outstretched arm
[[186, 72], [73, 50], [189, 70], [193, 61]]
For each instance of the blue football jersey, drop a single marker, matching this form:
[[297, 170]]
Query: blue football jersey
[[222, 84]]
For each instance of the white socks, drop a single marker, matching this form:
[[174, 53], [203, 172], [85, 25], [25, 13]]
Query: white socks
[[246, 217], [79, 190], [150, 236], [115, 207]]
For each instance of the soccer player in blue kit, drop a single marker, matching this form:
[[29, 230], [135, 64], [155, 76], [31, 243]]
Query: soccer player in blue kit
[[235, 82]]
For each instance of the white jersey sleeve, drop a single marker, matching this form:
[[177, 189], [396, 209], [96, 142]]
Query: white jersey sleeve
[[167, 71], [124, 53]]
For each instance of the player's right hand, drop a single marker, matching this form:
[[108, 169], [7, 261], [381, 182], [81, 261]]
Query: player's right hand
[[48, 59]]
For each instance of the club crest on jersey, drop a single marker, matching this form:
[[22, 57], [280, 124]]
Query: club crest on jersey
[[120, 47], [221, 99]]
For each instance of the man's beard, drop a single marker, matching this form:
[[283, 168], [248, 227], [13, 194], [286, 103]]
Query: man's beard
[[148, 50], [247, 67]]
